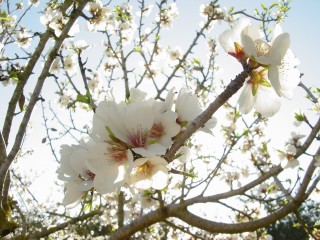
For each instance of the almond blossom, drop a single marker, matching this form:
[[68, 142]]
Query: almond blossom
[[274, 65], [256, 93], [149, 173], [111, 163], [138, 125], [287, 158], [74, 172], [188, 108], [126, 143], [265, 53]]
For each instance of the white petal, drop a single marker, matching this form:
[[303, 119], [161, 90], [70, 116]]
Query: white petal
[[246, 99], [279, 48], [151, 150], [170, 126], [72, 194], [273, 75], [209, 125], [187, 106], [144, 183], [78, 159], [249, 46], [267, 102], [104, 181], [138, 115], [227, 40], [97, 159], [160, 177]]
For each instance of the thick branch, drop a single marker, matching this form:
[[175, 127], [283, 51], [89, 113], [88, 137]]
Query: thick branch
[[142, 222], [170, 210], [216, 227], [3, 153]]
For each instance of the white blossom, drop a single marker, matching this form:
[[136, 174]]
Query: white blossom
[[287, 158], [55, 66], [111, 164], [265, 101], [149, 173], [70, 64], [73, 171], [188, 108]]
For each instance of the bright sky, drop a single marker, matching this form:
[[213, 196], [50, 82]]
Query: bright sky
[[302, 24]]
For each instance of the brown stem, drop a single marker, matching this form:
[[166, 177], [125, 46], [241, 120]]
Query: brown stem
[[172, 209], [120, 209]]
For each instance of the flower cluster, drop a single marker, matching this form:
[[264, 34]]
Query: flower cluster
[[54, 19], [274, 65], [126, 145], [287, 157]]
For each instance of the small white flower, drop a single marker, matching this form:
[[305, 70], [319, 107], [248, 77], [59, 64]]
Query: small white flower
[[23, 38], [230, 39], [188, 108], [73, 171], [93, 84], [287, 158], [295, 139], [35, 3], [70, 64], [65, 99], [55, 66], [168, 15], [149, 173], [175, 54], [80, 45]]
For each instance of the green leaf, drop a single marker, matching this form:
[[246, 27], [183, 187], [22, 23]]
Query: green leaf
[[264, 6], [230, 10], [137, 49], [265, 83], [82, 98], [4, 16], [254, 89], [111, 134], [196, 62], [300, 117]]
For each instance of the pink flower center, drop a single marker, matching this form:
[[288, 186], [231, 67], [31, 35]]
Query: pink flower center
[[138, 138], [156, 132], [117, 153]]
